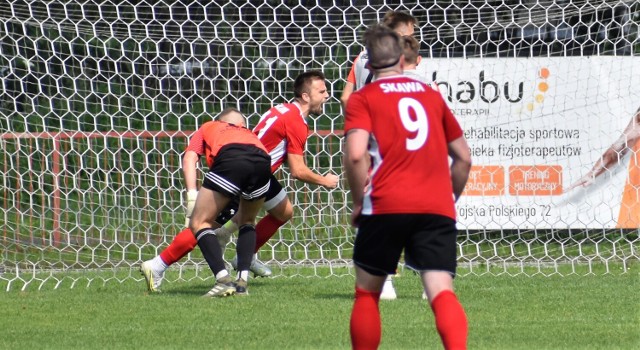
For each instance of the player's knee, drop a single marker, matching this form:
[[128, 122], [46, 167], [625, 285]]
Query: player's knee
[[287, 214], [283, 212], [192, 227], [435, 282], [196, 224]]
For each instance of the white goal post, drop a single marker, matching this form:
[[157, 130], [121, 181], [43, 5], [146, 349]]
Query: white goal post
[[98, 100]]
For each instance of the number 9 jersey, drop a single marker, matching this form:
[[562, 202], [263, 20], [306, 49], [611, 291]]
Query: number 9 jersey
[[410, 126]]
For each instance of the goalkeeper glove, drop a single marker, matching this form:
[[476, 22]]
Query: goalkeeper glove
[[224, 233], [191, 202]]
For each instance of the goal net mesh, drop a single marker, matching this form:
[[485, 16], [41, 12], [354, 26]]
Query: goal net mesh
[[98, 100]]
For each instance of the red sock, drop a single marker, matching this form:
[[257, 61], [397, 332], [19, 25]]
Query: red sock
[[366, 329], [182, 244], [451, 320], [265, 229]]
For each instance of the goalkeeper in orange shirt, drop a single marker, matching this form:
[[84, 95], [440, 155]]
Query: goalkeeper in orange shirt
[[242, 169], [167, 257], [283, 130]]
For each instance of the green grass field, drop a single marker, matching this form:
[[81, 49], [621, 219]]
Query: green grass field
[[505, 312]]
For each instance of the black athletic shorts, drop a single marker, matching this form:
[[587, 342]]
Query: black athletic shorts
[[275, 194], [428, 240], [240, 170]]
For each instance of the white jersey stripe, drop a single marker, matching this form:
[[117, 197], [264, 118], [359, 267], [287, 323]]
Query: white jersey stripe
[[278, 152], [376, 161], [360, 70]]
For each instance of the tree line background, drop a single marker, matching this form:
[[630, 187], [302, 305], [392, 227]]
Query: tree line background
[[92, 192], [123, 65]]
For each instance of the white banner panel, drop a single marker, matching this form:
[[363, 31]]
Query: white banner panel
[[535, 127]]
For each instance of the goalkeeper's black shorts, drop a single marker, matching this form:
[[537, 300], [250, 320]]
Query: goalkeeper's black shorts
[[240, 170]]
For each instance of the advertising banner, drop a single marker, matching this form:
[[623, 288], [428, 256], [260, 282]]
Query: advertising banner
[[536, 128]]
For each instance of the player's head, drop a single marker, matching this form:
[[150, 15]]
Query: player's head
[[232, 116], [384, 47], [310, 91], [411, 52], [401, 22]]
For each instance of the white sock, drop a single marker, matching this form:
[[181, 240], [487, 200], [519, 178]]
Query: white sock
[[388, 284], [158, 265], [222, 274], [244, 274]]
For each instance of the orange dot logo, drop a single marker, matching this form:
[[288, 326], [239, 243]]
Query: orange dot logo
[[543, 87], [544, 73]]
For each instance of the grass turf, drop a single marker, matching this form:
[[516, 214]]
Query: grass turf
[[504, 312]]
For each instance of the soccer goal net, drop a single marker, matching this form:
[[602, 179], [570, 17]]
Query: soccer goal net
[[98, 100]]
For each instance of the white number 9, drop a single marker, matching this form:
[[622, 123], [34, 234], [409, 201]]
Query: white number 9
[[420, 126]]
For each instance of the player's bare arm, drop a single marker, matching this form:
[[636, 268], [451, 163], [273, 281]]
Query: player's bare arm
[[189, 169], [620, 147], [349, 86], [346, 93], [300, 171], [611, 157], [460, 166], [356, 164]]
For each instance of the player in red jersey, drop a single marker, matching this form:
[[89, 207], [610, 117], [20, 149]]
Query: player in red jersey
[[360, 75], [409, 133], [242, 168], [283, 130]]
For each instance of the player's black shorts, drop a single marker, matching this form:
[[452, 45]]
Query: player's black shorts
[[275, 194], [240, 170], [228, 212], [428, 240]]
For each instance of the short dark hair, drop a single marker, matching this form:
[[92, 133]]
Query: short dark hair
[[411, 49], [303, 82], [393, 19], [384, 46]]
